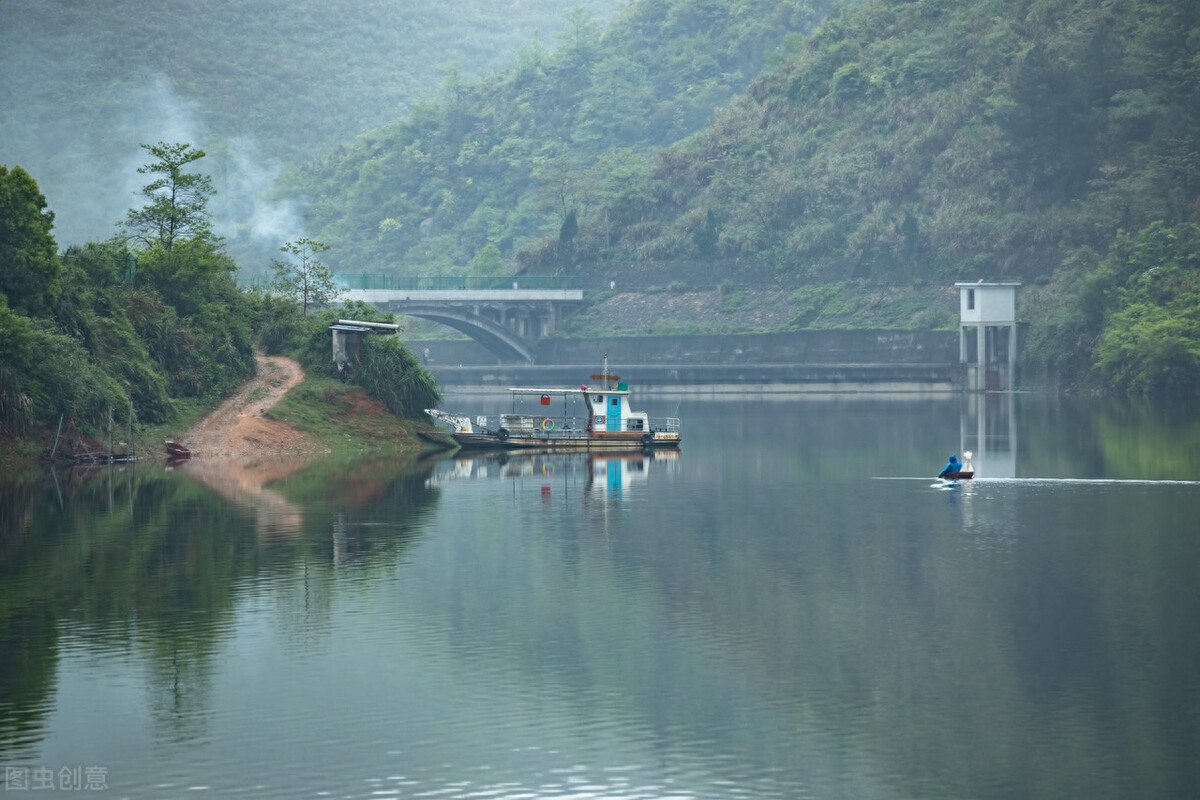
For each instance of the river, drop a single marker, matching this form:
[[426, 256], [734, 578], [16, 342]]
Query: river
[[789, 607]]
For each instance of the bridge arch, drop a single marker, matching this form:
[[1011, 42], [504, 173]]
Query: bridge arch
[[533, 305], [495, 337]]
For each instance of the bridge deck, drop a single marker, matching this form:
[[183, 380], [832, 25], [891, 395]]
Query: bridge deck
[[462, 295]]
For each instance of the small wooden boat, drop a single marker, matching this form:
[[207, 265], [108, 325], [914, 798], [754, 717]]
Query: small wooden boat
[[177, 451], [588, 418], [966, 471]]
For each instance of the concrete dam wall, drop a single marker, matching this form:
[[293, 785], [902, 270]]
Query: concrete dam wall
[[810, 361]]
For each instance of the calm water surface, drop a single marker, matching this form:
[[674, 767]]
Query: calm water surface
[[788, 608]]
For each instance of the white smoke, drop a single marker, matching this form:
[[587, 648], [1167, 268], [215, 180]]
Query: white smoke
[[88, 173]]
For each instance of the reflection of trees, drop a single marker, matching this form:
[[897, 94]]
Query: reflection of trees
[[29, 654], [1086, 436], [154, 561], [958, 655]]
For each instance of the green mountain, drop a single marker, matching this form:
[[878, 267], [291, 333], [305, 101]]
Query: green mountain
[[936, 140], [258, 84], [807, 145], [903, 143], [903, 140], [560, 134]]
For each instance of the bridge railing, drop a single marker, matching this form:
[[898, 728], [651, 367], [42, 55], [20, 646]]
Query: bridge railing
[[366, 280]]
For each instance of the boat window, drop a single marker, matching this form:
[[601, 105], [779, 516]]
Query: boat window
[[616, 401]]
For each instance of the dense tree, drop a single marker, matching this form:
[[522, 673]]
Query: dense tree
[[504, 158], [17, 412], [29, 267], [488, 262], [304, 279], [1149, 287], [176, 201], [192, 316]]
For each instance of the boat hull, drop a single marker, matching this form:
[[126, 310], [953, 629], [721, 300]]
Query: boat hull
[[594, 441], [959, 476], [177, 451]]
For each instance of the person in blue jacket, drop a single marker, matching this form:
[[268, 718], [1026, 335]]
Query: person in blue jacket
[[952, 466]]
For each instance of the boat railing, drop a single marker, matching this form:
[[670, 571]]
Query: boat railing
[[539, 426], [555, 427]]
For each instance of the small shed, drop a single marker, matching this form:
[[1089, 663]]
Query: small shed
[[988, 334], [347, 339]]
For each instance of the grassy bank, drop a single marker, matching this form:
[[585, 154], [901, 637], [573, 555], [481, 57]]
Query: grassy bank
[[340, 418], [344, 418]]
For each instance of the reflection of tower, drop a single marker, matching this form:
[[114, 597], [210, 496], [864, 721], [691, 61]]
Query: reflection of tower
[[988, 334], [989, 431], [341, 535]]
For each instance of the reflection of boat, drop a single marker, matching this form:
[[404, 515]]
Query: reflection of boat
[[613, 473], [589, 418], [439, 439], [176, 451], [593, 470]]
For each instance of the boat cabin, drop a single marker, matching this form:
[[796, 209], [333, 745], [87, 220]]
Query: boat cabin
[[608, 410]]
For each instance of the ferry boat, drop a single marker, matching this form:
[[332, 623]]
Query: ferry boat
[[592, 417]]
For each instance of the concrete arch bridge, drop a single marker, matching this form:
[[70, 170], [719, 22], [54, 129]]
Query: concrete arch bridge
[[505, 315]]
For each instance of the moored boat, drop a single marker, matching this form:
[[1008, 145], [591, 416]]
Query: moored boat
[[592, 417], [177, 451]]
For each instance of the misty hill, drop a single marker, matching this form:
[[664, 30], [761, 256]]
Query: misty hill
[[903, 141], [258, 84], [936, 140], [492, 168]]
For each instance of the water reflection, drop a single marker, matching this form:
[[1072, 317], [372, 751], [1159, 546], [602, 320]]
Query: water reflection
[[988, 425], [247, 484], [751, 617], [124, 559], [600, 474]]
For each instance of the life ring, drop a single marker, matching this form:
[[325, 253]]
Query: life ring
[[547, 424], [503, 434]]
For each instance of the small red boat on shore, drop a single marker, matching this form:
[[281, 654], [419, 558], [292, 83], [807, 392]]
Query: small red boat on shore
[[177, 451]]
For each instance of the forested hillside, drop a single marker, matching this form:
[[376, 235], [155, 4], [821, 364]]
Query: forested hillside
[[904, 142], [257, 83], [938, 140], [813, 146], [133, 327], [493, 169]]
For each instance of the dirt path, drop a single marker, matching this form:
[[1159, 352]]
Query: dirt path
[[239, 429], [239, 452]]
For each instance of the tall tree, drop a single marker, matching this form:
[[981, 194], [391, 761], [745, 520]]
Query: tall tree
[[176, 202], [29, 266], [303, 278]]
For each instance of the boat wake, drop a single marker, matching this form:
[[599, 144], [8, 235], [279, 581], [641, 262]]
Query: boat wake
[[1096, 481]]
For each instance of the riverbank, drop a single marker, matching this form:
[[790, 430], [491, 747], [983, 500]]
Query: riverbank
[[278, 413]]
